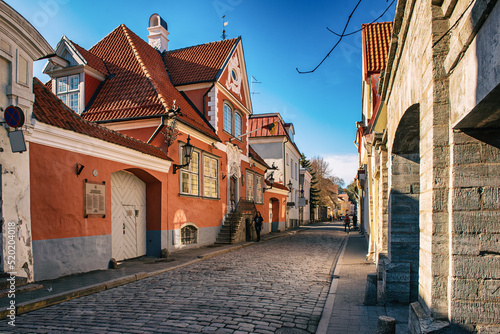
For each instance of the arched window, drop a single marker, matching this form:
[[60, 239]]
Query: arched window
[[237, 124], [189, 235], [228, 118]]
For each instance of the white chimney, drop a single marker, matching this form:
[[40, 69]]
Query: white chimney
[[158, 32]]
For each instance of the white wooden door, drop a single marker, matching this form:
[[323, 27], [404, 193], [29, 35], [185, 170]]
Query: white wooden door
[[128, 216]]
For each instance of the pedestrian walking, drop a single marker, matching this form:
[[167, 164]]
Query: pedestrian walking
[[355, 222], [257, 224], [347, 222]]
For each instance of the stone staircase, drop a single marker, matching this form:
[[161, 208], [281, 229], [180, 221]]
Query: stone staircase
[[229, 228], [233, 221]]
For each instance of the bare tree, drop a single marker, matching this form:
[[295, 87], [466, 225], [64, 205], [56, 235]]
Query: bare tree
[[325, 178]]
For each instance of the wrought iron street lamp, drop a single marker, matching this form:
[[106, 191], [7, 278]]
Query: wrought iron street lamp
[[271, 182], [187, 151]]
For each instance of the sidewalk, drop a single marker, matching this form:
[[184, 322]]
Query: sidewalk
[[79, 285], [344, 310]]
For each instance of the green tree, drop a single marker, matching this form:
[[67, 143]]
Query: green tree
[[314, 191]]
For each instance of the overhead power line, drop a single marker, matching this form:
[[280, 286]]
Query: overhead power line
[[355, 32], [344, 35]]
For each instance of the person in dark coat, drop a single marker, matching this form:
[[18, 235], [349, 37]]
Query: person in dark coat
[[257, 224], [355, 222], [347, 222]]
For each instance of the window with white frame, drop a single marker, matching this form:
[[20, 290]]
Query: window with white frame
[[210, 177], [259, 196], [237, 124], [233, 121], [250, 186], [68, 90], [228, 118], [190, 175], [254, 188]]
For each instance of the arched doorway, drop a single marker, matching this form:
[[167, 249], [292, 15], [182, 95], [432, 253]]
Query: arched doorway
[[233, 193], [128, 216], [274, 214]]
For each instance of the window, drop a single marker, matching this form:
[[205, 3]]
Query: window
[[190, 175], [210, 177], [189, 235], [250, 186], [258, 190], [228, 118], [68, 91], [254, 188], [237, 125], [287, 162]]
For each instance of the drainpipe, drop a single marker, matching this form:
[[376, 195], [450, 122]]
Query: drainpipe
[[157, 131]]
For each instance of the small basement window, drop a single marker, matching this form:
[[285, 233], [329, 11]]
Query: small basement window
[[189, 235]]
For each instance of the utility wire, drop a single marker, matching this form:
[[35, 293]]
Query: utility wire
[[354, 32], [342, 36], [454, 24]]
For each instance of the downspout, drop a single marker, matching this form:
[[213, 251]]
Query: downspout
[[157, 131]]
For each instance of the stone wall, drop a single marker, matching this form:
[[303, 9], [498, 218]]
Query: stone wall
[[452, 73]]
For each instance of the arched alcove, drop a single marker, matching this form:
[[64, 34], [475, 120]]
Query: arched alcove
[[404, 229]]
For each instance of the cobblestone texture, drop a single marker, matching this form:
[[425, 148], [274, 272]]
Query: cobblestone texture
[[281, 283]]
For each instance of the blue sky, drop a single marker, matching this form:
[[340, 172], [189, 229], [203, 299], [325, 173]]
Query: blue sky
[[278, 37]]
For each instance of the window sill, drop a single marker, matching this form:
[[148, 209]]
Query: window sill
[[198, 196]]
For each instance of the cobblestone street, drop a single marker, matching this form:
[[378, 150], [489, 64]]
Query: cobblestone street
[[281, 283]]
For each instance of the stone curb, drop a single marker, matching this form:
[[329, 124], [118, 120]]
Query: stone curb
[[36, 304], [330, 299]]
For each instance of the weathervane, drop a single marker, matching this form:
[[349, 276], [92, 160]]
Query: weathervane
[[224, 23]]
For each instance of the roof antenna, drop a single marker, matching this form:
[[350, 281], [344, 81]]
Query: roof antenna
[[251, 85], [224, 23]]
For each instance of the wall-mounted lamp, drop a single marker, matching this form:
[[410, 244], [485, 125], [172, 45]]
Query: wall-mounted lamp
[[187, 151], [271, 182], [289, 185], [79, 168]]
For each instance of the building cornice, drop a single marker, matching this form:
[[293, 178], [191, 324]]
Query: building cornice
[[52, 136]]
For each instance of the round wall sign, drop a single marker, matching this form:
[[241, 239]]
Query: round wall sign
[[14, 116]]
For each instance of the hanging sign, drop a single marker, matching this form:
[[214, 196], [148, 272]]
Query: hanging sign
[[14, 116]]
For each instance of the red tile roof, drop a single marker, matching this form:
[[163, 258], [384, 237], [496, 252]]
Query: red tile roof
[[138, 85], [50, 110], [258, 121], [200, 63], [376, 41], [93, 61]]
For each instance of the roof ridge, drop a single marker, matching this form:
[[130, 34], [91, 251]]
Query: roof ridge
[[193, 46], [144, 68], [99, 41]]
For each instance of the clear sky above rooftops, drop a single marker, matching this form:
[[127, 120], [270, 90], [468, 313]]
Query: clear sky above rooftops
[[278, 37]]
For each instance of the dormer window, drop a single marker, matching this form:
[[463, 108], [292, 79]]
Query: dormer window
[[68, 90]]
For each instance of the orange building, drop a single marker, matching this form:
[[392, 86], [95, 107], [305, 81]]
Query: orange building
[[109, 175]]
